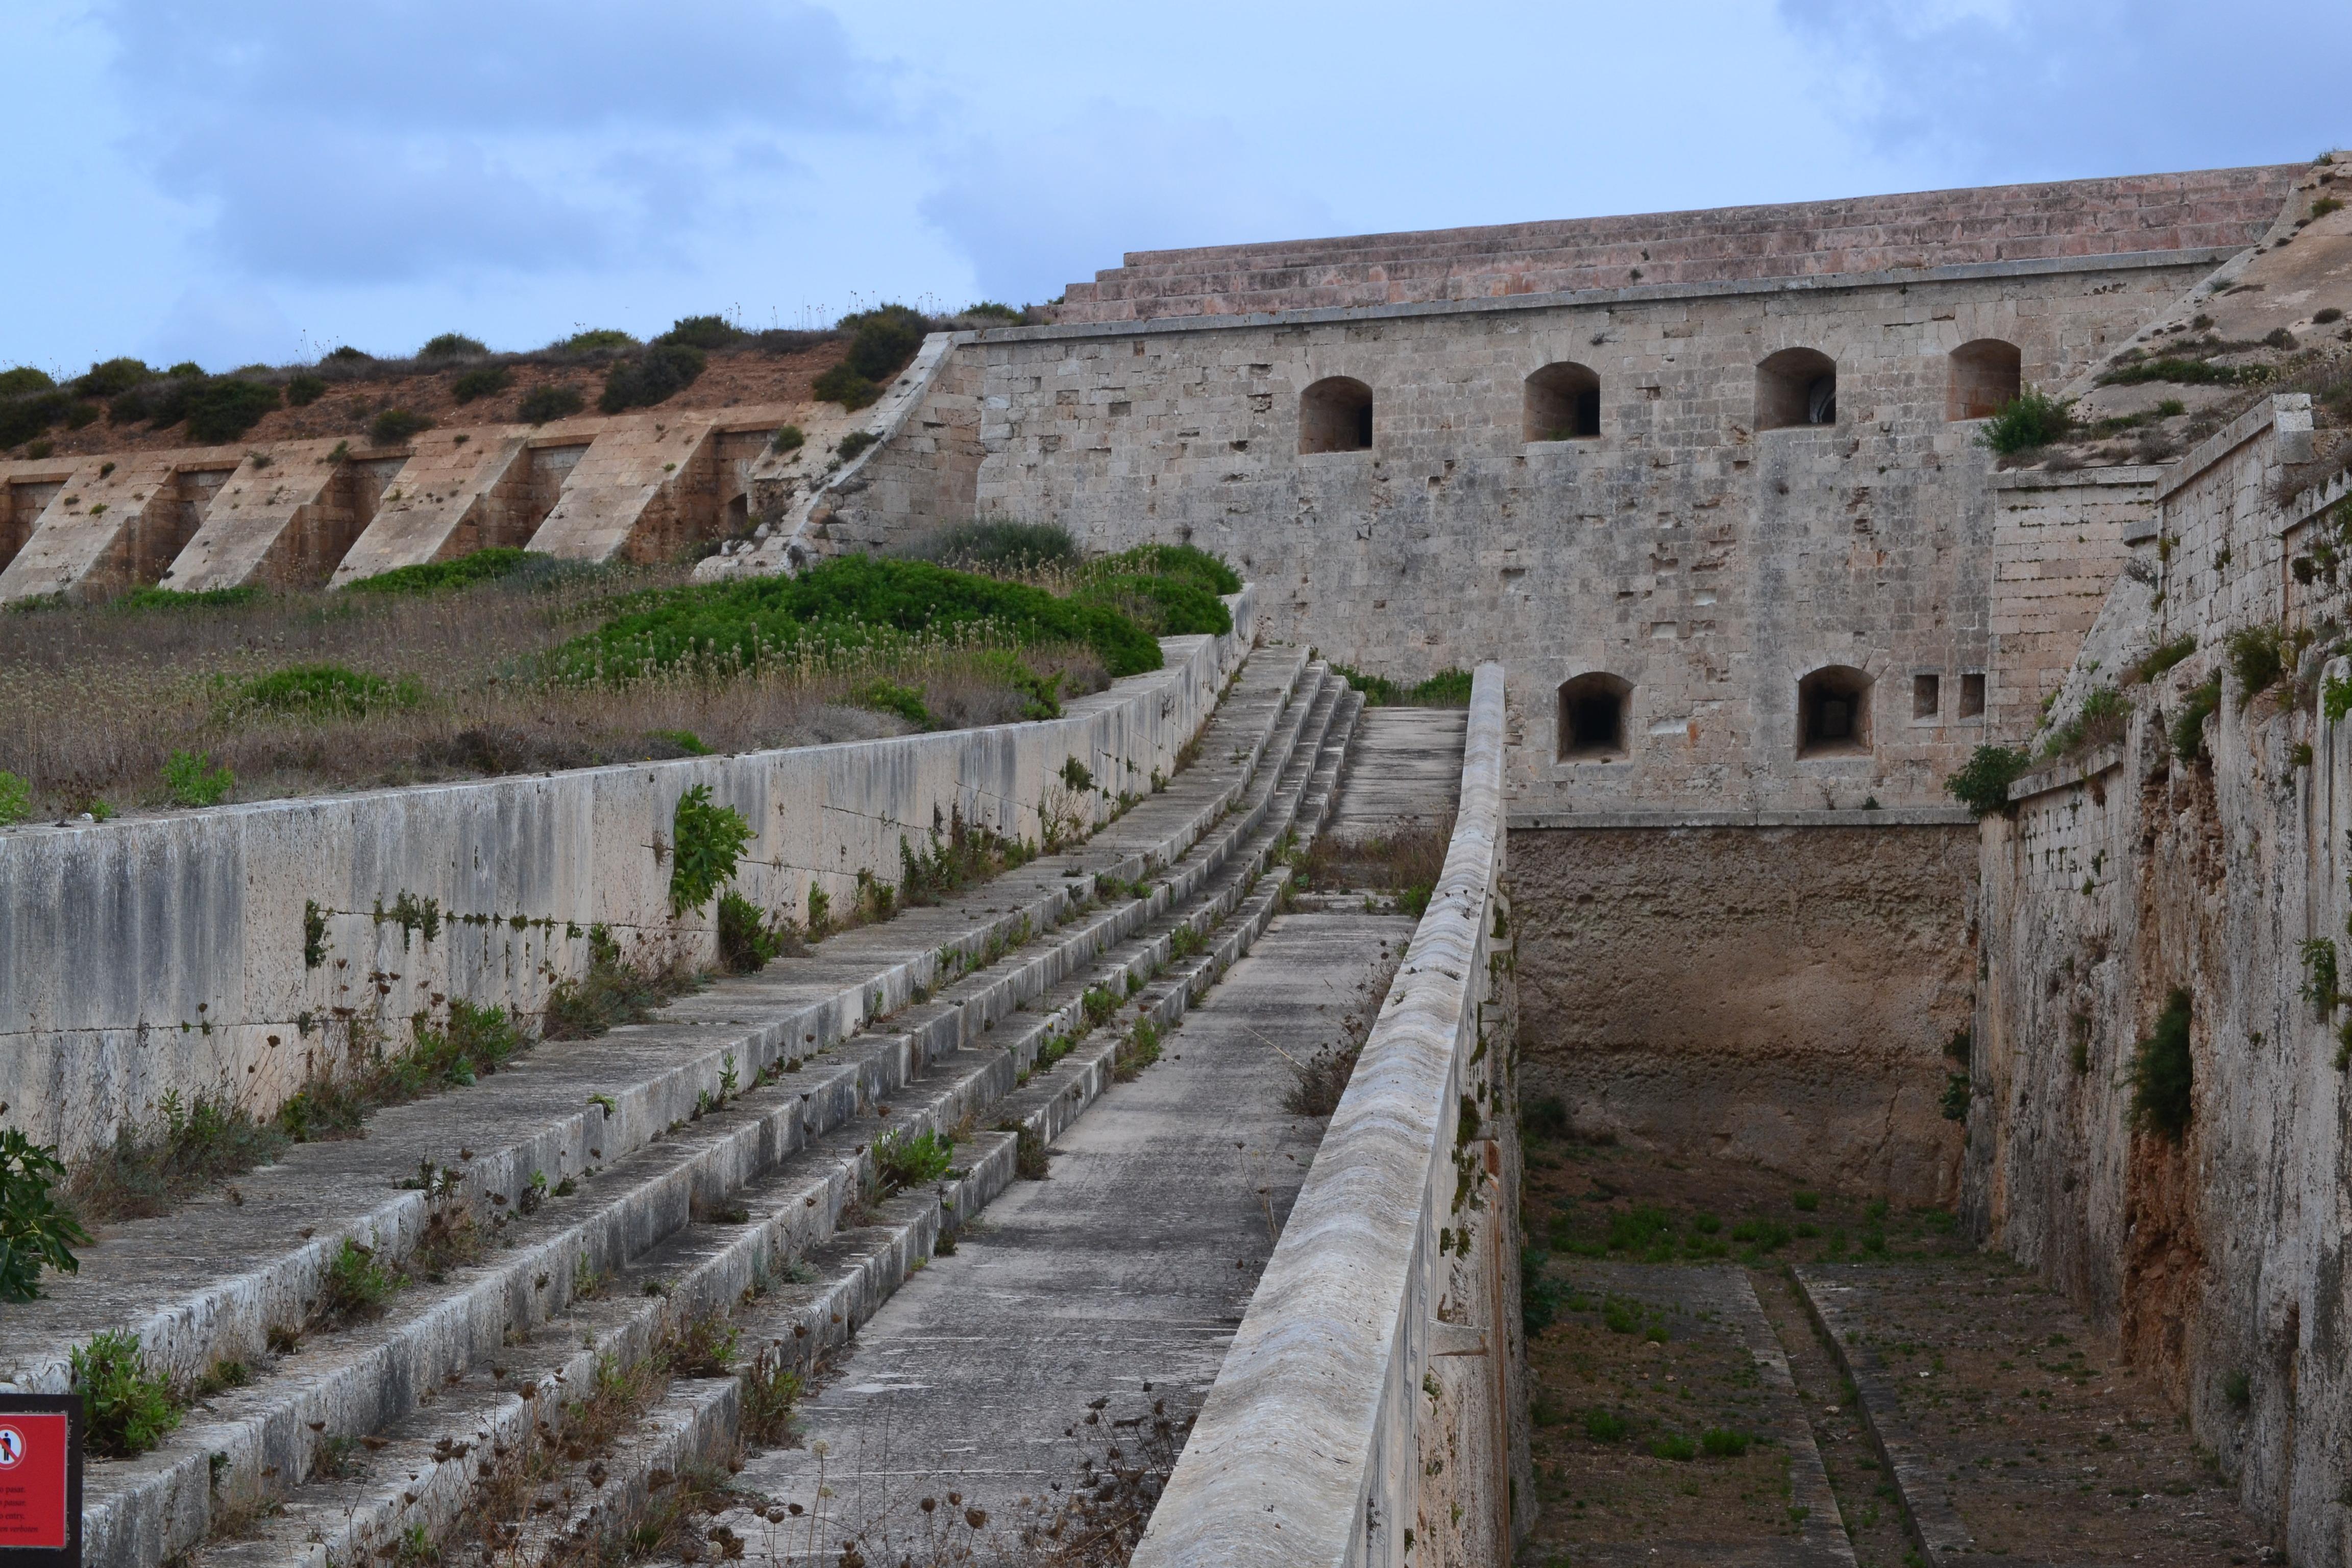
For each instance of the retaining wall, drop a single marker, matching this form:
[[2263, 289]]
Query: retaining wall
[[1372, 1403], [233, 952]]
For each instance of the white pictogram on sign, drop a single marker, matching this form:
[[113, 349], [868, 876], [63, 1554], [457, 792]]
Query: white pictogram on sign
[[12, 1448]]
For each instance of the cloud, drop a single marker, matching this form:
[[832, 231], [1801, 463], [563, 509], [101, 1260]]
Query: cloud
[[1027, 209], [380, 142], [2001, 89]]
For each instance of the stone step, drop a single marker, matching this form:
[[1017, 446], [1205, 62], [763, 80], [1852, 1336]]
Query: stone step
[[403, 1382], [699, 1426]]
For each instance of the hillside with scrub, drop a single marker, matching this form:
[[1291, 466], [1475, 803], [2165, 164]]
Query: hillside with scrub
[[507, 662]]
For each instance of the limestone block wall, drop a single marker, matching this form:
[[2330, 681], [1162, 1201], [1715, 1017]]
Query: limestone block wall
[[231, 951], [1707, 562], [2225, 209], [2125, 874], [1371, 1404], [2059, 541], [1821, 963]]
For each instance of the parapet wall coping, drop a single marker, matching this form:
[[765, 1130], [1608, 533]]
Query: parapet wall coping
[[2066, 776], [2217, 447], [2120, 474], [2137, 260], [1887, 817]]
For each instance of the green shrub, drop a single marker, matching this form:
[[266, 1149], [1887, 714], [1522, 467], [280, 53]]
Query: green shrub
[[2258, 657], [788, 439], [686, 741], [549, 400], [1162, 606], [993, 311], [303, 390], [2030, 420], [747, 943], [643, 379], [853, 445], [126, 1411], [849, 602], [18, 380], [440, 576], [1722, 1443], [398, 426], [190, 780], [1805, 1201], [2238, 1388], [886, 696], [322, 692], [483, 381], [885, 338], [1605, 1426], [904, 1159], [1676, 1448], [707, 841], [1541, 1296], [1446, 688], [356, 1286], [34, 1232], [2163, 1073], [1184, 563], [1955, 1102], [2319, 976], [595, 338], [2185, 372], [15, 798], [2336, 699], [2188, 729], [145, 599], [1000, 544], [225, 407], [1640, 1228], [1983, 784], [703, 333], [452, 345], [2161, 657], [111, 378]]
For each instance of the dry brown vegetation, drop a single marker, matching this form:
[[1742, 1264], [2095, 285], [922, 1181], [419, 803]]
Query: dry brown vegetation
[[95, 700]]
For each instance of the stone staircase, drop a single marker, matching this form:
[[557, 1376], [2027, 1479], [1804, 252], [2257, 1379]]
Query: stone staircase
[[574, 1227]]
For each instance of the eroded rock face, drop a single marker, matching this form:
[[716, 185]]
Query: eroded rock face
[[1780, 995]]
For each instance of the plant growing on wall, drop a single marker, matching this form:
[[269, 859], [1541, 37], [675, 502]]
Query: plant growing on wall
[[2188, 729], [191, 779], [2032, 419], [16, 799], [707, 840], [1983, 784], [128, 1409], [2319, 976], [35, 1233], [2163, 1073], [2258, 657]]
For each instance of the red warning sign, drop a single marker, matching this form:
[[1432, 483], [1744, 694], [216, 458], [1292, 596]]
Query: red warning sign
[[36, 1459]]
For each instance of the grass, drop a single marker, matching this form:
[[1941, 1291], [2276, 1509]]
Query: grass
[[903, 1160], [471, 1045], [611, 992], [2188, 733], [126, 1409], [356, 1287], [1446, 688], [188, 1148], [432, 673]]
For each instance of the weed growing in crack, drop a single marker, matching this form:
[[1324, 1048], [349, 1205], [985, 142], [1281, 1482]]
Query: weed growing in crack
[[127, 1410], [903, 1160]]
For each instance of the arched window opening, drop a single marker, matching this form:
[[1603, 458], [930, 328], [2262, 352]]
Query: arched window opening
[[1563, 404], [1833, 712], [1592, 718], [1985, 374], [1796, 386], [1335, 414]]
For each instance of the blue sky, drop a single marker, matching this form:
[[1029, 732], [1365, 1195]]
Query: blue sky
[[261, 180]]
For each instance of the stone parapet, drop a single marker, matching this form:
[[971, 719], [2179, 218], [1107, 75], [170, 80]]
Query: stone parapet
[[1369, 1405]]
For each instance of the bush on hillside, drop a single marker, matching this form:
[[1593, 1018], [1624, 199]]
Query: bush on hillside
[[1164, 606], [703, 333], [853, 601], [485, 381], [999, 544], [321, 691], [111, 378], [1983, 784], [883, 340], [225, 407], [1183, 562], [398, 426], [643, 379], [452, 345], [18, 380], [24, 417], [440, 576], [549, 401], [597, 340], [303, 390]]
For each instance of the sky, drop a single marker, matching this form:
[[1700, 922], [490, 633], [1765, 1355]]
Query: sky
[[261, 181]]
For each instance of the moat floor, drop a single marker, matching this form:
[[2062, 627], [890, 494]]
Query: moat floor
[[1655, 1439]]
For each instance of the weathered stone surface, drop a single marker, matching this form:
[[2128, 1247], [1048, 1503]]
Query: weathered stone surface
[[1781, 996]]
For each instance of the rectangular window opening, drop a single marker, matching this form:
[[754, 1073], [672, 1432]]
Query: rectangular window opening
[[1973, 695], [1926, 696]]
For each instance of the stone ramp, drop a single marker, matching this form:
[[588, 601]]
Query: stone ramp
[[1405, 771], [1121, 1275]]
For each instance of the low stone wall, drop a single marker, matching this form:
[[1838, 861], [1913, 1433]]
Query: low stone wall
[[231, 953], [1373, 1404], [1777, 989]]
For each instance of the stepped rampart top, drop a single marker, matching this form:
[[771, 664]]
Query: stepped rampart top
[[2214, 208]]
